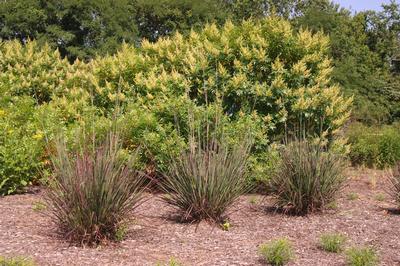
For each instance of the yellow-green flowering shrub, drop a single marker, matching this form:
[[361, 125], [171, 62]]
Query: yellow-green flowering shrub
[[40, 93], [40, 72], [264, 66], [264, 71], [270, 79]]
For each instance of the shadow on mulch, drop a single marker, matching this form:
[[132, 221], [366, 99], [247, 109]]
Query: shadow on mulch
[[281, 210], [290, 212], [33, 190], [392, 211], [177, 218]]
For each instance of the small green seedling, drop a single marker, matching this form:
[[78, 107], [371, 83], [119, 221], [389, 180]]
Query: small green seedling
[[39, 206], [380, 197], [226, 226], [172, 262], [121, 233], [17, 261], [352, 196], [277, 252], [253, 200], [332, 242], [332, 205], [362, 256]]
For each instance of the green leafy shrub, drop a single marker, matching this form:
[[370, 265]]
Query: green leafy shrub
[[308, 178], [362, 257], [277, 252], [394, 181], [159, 138], [15, 262], [265, 166], [210, 175], [332, 242], [374, 146], [39, 92], [21, 145], [93, 191]]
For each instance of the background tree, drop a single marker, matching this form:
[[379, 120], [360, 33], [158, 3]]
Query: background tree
[[157, 18], [77, 28], [362, 45]]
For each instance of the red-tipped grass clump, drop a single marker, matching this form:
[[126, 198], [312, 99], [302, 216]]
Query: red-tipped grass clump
[[308, 179], [394, 181], [209, 176], [93, 191]]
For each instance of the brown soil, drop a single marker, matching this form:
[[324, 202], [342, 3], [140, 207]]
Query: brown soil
[[154, 238]]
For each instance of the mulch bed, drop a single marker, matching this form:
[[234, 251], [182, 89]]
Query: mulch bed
[[155, 238]]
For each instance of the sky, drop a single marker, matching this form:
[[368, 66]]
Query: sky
[[360, 5]]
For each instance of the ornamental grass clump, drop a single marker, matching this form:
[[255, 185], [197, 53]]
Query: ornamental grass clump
[[308, 179], [209, 176], [93, 191], [394, 181]]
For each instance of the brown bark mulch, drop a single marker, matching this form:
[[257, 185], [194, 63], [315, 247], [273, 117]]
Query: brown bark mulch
[[155, 238]]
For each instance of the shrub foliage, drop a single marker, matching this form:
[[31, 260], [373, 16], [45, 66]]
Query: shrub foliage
[[374, 146], [21, 145]]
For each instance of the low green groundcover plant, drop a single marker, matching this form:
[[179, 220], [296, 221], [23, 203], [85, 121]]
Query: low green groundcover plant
[[17, 261], [277, 252], [332, 242], [361, 256], [93, 192], [308, 179]]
